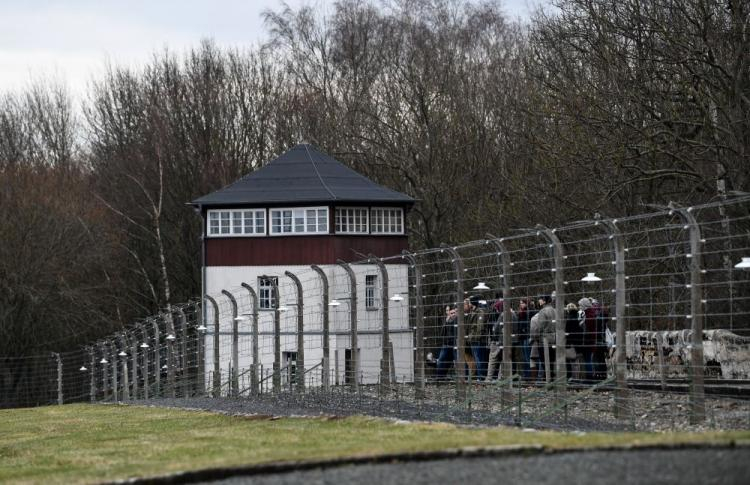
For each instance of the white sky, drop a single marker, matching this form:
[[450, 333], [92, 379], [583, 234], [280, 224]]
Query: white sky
[[70, 40]]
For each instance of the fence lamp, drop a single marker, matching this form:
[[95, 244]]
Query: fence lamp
[[144, 345], [397, 297], [591, 278], [744, 264], [482, 286], [170, 337], [334, 303], [104, 361]]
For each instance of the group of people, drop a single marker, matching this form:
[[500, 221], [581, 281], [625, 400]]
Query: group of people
[[533, 343]]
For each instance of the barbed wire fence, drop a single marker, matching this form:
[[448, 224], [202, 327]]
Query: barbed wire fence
[[671, 287]]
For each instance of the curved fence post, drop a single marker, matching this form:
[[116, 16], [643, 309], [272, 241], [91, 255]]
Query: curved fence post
[[144, 368], [697, 390], [561, 381], [134, 362], [58, 362], [92, 374], [354, 353], [113, 362], [124, 360], [181, 362], [326, 328], [157, 357], [300, 333], [254, 383], [419, 378], [622, 394], [234, 377], [216, 391], [276, 333], [504, 259], [387, 372], [458, 266], [105, 371]]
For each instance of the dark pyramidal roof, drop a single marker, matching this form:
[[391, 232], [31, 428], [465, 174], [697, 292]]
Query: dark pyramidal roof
[[302, 175]]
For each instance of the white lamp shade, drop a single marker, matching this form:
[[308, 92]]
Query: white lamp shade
[[164, 366], [282, 309], [744, 264], [104, 361], [397, 297], [242, 318], [202, 328], [481, 286], [144, 345], [170, 337], [83, 368], [591, 277], [334, 303], [122, 354]]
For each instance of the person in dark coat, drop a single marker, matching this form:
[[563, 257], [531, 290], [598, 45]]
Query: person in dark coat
[[573, 341], [587, 315], [447, 355], [522, 336]]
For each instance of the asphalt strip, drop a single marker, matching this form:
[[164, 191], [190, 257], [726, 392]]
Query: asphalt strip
[[212, 474]]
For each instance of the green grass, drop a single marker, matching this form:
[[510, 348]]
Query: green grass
[[89, 443]]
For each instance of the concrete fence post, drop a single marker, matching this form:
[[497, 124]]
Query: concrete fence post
[[200, 349], [183, 360], [419, 350], [697, 389], [171, 339], [557, 253], [115, 370], [92, 374], [105, 371], [354, 339], [503, 257], [216, 392], [622, 394], [157, 357], [124, 360], [254, 381], [276, 376], [144, 366], [326, 323], [58, 361], [134, 363], [387, 372], [300, 333], [458, 266], [234, 377]]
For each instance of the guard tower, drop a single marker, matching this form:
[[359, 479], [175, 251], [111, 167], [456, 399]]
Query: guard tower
[[301, 209]]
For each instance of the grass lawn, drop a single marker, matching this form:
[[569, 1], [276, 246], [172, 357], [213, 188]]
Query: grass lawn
[[84, 443]]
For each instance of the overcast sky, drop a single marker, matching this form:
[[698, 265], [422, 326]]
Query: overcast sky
[[70, 40]]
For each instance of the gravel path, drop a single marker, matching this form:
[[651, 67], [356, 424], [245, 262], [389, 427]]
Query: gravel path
[[586, 410], [707, 466]]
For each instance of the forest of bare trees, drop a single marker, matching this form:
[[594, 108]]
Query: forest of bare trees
[[489, 122]]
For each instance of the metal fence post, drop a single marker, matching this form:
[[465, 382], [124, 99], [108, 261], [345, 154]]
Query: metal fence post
[[354, 365], [234, 377], [386, 369], [697, 390], [458, 266], [171, 338], [157, 357], [254, 381], [300, 333], [557, 252], [217, 364], [58, 360], [200, 341], [622, 393], [419, 359], [326, 323], [504, 259]]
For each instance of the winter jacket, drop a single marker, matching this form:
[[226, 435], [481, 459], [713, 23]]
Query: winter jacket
[[574, 337], [545, 325], [449, 332], [496, 335], [474, 322]]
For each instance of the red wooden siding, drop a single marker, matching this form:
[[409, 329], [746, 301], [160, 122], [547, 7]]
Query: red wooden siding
[[261, 251]]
